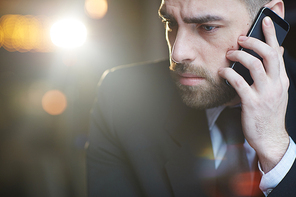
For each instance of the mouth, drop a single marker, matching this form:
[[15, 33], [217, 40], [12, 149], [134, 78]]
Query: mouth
[[188, 79]]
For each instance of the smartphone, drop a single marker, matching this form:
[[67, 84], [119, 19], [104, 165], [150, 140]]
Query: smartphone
[[281, 26]]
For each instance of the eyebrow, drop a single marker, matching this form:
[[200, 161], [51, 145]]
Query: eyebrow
[[198, 19], [164, 15], [202, 19]]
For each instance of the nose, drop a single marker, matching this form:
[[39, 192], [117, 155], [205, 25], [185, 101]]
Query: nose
[[183, 48]]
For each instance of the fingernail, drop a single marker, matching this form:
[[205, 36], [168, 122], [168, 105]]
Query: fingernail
[[230, 52], [267, 21], [242, 38]]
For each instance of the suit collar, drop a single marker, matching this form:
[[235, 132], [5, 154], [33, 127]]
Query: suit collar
[[191, 168], [188, 127]]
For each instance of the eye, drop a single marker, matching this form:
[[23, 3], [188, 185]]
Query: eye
[[208, 28]]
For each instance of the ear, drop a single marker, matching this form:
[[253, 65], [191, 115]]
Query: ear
[[277, 6]]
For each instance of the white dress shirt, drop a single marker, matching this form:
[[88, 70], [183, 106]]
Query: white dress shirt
[[269, 180]]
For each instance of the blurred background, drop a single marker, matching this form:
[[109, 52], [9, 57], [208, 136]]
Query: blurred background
[[46, 91]]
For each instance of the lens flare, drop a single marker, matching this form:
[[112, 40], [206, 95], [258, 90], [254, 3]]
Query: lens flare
[[25, 33], [68, 33], [54, 102], [96, 8]]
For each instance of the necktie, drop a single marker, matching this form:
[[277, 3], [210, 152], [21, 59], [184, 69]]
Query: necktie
[[233, 173]]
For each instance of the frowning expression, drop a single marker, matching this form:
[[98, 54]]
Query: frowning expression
[[199, 33]]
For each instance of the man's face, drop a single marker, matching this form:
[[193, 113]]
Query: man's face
[[199, 33]]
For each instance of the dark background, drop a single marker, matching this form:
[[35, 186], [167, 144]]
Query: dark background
[[43, 154]]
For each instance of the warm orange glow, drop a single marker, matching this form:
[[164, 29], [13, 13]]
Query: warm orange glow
[[242, 184], [54, 102], [96, 8], [25, 33]]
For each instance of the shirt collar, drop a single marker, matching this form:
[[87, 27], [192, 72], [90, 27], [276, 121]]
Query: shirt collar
[[213, 113]]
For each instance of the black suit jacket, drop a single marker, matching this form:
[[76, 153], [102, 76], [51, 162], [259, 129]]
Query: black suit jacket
[[145, 142]]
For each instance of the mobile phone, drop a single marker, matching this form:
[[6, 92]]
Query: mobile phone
[[281, 27]]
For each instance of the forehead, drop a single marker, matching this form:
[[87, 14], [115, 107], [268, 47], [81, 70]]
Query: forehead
[[187, 8]]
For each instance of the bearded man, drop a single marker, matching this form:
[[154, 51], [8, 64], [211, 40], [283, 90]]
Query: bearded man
[[180, 130]]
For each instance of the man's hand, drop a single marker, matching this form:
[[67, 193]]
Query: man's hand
[[263, 103]]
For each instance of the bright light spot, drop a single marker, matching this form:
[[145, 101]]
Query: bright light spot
[[96, 8], [68, 33], [25, 33], [54, 102]]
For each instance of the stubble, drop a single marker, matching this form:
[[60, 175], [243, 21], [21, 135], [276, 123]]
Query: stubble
[[212, 93]]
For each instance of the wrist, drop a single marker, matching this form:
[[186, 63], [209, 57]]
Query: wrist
[[271, 151]]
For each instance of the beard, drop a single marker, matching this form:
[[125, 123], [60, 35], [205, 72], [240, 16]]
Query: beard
[[213, 93]]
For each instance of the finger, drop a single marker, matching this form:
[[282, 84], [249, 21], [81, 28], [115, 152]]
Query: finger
[[283, 72], [271, 40], [269, 55], [237, 82], [282, 50], [282, 68], [252, 63], [269, 33]]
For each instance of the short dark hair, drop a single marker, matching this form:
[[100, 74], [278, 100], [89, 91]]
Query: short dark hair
[[254, 6]]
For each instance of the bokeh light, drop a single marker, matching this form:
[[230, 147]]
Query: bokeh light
[[54, 102], [96, 8], [68, 33], [25, 33]]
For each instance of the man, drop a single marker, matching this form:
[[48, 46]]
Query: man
[[145, 142]]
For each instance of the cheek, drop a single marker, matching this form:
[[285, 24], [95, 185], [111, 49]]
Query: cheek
[[219, 50], [224, 46], [215, 55]]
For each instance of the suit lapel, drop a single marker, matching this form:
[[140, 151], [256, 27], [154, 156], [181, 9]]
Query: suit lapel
[[191, 168]]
